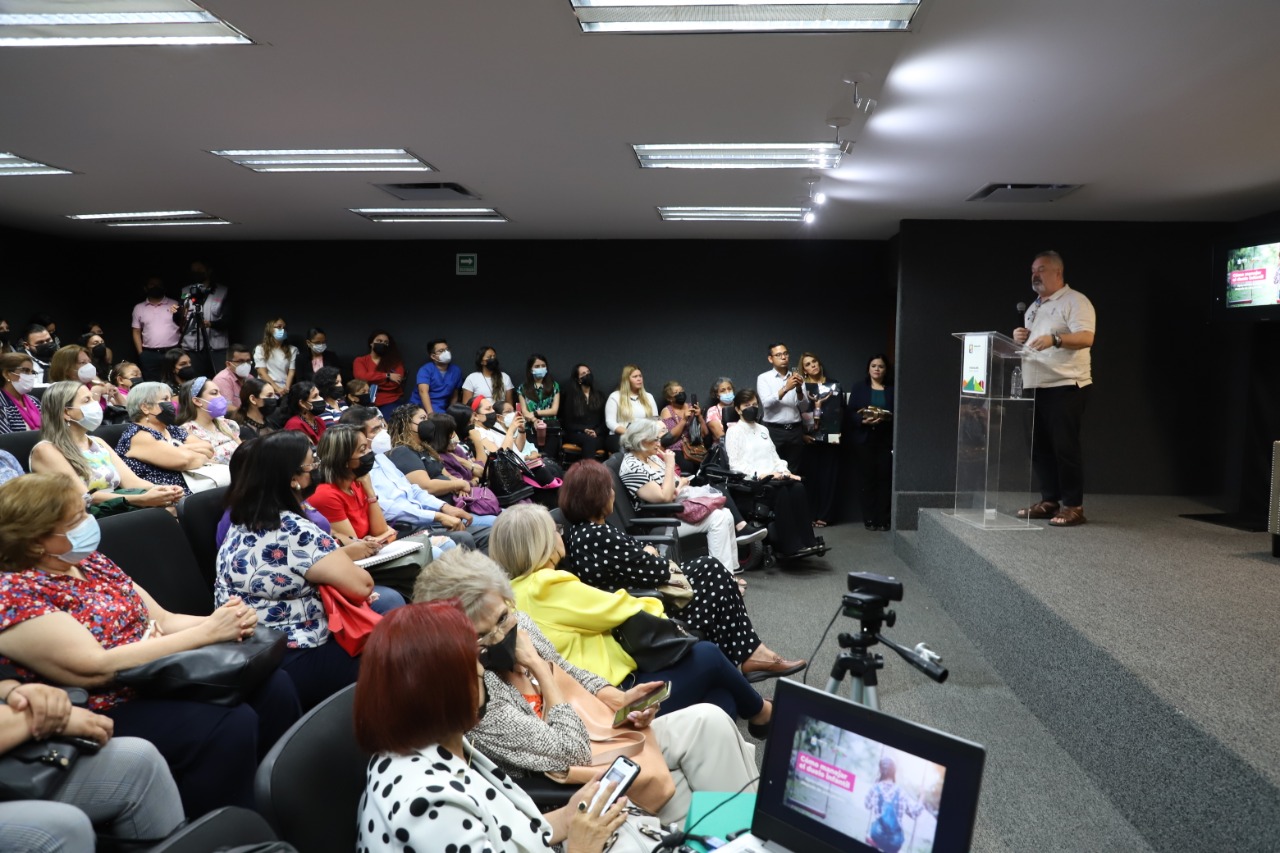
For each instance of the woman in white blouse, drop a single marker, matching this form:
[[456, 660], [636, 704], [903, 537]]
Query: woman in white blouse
[[488, 380], [629, 403], [751, 452], [274, 358]]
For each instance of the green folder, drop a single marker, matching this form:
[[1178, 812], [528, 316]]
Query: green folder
[[729, 818]]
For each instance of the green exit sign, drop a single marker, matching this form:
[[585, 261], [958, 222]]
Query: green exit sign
[[465, 263]]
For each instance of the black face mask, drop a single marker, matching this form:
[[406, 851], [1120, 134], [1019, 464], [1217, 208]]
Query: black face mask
[[45, 351], [330, 392], [365, 466], [268, 405], [680, 398], [362, 399], [501, 656], [155, 292], [751, 414], [4, 339], [492, 364], [381, 348], [167, 415], [586, 380], [186, 374], [99, 352], [425, 432], [317, 407], [491, 420]]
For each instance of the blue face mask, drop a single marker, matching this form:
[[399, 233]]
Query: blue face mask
[[84, 539], [539, 372], [279, 334], [726, 397]]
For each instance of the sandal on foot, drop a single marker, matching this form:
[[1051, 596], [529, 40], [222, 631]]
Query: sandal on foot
[[1068, 516], [1044, 509]]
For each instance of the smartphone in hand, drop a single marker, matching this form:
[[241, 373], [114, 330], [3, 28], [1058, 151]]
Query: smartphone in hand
[[622, 772], [646, 701]]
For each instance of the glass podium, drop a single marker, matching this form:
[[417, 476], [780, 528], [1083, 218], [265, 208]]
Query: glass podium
[[993, 434]]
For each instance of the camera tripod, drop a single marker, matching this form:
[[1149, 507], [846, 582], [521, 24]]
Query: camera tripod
[[867, 602]]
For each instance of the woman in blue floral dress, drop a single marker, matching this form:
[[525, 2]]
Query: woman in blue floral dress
[[274, 558]]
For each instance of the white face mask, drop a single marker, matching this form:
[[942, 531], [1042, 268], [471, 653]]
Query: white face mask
[[87, 373], [381, 442], [24, 383], [90, 416], [319, 347], [445, 357], [243, 370], [508, 418]]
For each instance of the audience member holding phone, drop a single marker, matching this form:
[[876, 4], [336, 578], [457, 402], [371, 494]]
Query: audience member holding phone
[[530, 726], [420, 690]]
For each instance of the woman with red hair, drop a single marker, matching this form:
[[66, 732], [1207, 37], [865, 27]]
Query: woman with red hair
[[420, 689]]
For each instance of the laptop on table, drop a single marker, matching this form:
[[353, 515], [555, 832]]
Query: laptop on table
[[840, 777]]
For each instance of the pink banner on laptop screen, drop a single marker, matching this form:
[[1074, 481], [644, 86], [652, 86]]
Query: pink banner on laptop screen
[[816, 767]]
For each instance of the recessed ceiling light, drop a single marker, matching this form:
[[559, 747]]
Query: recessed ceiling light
[[151, 218], [59, 23], [429, 214], [12, 164], [732, 214], [739, 155], [326, 160], [731, 16]]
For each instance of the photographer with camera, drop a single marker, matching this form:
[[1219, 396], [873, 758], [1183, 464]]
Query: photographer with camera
[[202, 317]]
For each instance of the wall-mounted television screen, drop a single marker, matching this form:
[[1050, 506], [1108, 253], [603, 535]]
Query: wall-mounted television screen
[[1253, 276]]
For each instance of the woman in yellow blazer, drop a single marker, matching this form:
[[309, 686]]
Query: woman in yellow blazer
[[579, 620]]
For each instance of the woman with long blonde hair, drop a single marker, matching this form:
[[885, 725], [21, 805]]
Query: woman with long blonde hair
[[274, 357], [629, 403]]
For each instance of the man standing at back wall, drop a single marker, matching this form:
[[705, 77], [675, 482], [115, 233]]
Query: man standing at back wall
[[1059, 326], [781, 403]]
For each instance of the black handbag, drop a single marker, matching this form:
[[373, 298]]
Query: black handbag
[[653, 642], [219, 673], [36, 769], [504, 475]]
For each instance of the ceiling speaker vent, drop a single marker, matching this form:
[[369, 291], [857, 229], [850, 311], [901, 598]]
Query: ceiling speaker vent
[[446, 192], [1022, 193]]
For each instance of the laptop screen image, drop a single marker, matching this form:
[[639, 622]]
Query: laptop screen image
[[841, 777]]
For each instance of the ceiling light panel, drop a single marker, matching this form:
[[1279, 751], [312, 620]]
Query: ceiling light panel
[[151, 218], [778, 155], [326, 159], [730, 16], [732, 214], [79, 23], [429, 214], [12, 164]]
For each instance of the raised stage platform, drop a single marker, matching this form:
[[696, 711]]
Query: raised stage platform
[[1147, 647]]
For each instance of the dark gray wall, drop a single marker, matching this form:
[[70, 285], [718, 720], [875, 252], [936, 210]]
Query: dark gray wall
[[685, 310], [1155, 425]]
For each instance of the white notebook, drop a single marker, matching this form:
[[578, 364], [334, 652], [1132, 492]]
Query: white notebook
[[390, 552]]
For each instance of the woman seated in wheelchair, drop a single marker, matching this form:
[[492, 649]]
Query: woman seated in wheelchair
[[751, 453]]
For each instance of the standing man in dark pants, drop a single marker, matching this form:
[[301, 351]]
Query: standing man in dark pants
[[155, 329], [782, 402], [1059, 326]]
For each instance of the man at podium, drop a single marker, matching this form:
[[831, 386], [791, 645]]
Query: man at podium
[[1059, 327]]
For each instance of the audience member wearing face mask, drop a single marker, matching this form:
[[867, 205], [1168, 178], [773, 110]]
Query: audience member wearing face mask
[[152, 445], [275, 358], [236, 370], [752, 452], [202, 411], [19, 410], [69, 448]]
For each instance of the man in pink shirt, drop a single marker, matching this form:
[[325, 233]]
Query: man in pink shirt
[[239, 366], [155, 329]]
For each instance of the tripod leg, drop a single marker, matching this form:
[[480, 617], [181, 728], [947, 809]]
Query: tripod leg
[[869, 697]]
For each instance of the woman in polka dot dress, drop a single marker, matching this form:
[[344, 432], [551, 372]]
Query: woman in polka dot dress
[[420, 689]]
